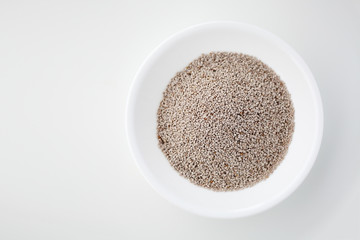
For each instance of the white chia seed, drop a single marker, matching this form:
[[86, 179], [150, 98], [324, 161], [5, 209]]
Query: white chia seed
[[226, 121]]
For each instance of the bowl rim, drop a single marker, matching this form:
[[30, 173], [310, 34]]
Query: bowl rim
[[267, 204]]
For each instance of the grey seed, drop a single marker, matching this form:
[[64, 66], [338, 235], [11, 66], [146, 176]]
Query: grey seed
[[227, 119]]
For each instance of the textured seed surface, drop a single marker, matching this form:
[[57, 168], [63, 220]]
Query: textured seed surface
[[225, 122]]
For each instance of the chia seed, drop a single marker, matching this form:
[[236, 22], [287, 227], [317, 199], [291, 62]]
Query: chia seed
[[226, 121]]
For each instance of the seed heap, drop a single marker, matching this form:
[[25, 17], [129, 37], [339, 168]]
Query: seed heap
[[225, 122]]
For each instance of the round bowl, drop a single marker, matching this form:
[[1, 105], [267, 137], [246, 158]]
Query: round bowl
[[172, 56]]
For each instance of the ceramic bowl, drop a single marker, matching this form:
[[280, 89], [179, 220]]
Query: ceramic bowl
[[172, 56]]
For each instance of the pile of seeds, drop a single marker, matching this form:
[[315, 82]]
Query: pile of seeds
[[225, 122]]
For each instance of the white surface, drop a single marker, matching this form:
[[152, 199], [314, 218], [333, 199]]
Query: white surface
[[172, 56], [65, 167]]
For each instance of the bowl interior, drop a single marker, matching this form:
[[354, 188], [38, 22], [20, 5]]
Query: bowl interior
[[172, 56]]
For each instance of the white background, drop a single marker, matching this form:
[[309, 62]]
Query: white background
[[65, 72]]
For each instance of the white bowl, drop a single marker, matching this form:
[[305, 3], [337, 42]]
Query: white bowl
[[172, 56]]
